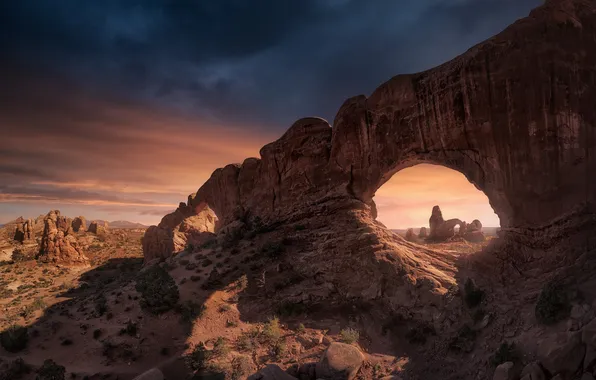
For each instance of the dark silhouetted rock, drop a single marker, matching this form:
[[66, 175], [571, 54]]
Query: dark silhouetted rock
[[79, 224]]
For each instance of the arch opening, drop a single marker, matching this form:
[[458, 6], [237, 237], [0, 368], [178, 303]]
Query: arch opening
[[435, 203]]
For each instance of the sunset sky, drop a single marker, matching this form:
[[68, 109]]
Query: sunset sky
[[118, 110]]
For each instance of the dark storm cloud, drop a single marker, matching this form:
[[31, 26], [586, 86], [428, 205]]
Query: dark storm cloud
[[133, 103], [267, 61]]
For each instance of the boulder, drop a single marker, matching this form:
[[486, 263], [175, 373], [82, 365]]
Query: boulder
[[152, 374], [533, 371], [58, 244], [562, 353], [340, 361], [505, 371], [589, 334], [271, 372]]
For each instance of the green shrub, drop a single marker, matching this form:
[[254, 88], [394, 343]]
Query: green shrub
[[473, 295], [241, 367], [278, 349], [248, 340], [301, 328], [14, 339], [198, 359], [272, 330], [505, 353], [553, 304], [190, 310], [349, 335], [50, 370], [224, 308], [158, 289], [220, 348]]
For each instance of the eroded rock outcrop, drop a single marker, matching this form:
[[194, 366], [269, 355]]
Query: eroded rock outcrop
[[58, 244], [514, 114], [24, 231], [186, 225], [98, 227], [472, 231], [79, 224], [440, 229], [423, 234]]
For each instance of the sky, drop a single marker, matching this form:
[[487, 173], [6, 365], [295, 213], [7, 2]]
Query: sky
[[118, 109]]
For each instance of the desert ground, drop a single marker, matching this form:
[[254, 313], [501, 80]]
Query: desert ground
[[91, 320]]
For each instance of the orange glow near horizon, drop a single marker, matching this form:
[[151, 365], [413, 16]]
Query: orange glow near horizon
[[406, 200]]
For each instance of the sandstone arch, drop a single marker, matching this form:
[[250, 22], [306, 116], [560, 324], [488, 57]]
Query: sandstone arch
[[514, 114]]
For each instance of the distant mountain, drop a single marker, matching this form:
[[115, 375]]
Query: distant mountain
[[125, 224]]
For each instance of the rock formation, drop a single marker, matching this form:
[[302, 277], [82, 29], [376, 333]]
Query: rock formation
[[58, 244], [98, 227], [186, 225], [514, 114], [440, 229], [423, 234], [473, 231], [410, 235], [79, 224], [24, 231]]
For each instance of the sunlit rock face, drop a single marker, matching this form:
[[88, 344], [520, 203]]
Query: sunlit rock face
[[514, 114], [58, 243], [186, 226]]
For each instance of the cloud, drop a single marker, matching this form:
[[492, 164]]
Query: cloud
[[119, 102]]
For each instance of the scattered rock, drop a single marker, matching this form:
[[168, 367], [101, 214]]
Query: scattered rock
[[589, 334], [533, 371], [340, 361], [152, 374], [562, 352], [505, 371], [271, 372]]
